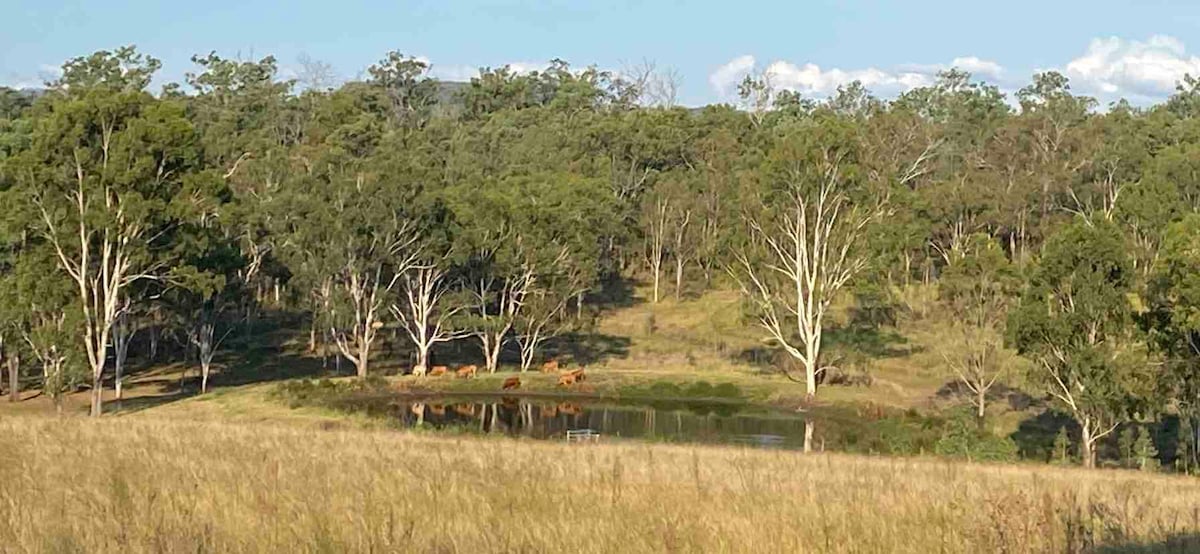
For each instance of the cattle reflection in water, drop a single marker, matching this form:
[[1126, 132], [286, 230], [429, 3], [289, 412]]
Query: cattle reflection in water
[[547, 419]]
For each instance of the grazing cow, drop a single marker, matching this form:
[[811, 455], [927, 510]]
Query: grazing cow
[[566, 379], [550, 367], [467, 371], [438, 370], [511, 383], [419, 370], [577, 374]]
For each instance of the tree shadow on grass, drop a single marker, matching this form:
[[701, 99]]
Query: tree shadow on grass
[[1035, 435], [588, 348], [264, 353], [842, 347], [614, 293], [271, 352], [867, 341], [1016, 399]]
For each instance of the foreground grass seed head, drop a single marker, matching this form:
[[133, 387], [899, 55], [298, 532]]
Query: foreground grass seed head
[[130, 485]]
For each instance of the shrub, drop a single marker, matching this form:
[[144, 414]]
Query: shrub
[[962, 438], [727, 390], [665, 389], [1144, 452], [700, 389], [1062, 448]]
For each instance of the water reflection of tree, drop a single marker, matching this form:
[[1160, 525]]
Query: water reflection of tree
[[538, 418]]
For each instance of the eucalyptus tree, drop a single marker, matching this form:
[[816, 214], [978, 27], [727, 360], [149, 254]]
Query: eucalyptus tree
[[655, 227], [14, 129], [1053, 137], [45, 317], [206, 282], [1185, 103], [569, 220], [637, 148], [427, 309], [500, 260], [105, 160], [718, 156], [409, 90], [250, 126], [757, 94], [932, 141], [532, 245], [496, 89], [1075, 323], [670, 225], [1117, 154], [804, 239], [12, 314], [978, 288], [500, 274], [1173, 319], [351, 239]]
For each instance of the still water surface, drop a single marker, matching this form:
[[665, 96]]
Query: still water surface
[[551, 418]]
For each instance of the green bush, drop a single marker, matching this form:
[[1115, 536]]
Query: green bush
[[700, 389], [326, 393], [1062, 448], [1144, 452], [962, 438], [727, 390], [663, 389]]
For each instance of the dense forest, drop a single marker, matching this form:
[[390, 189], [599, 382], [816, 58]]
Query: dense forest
[[506, 211]]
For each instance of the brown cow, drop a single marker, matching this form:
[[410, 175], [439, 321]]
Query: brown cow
[[467, 371], [566, 408], [511, 383], [566, 379], [577, 374], [550, 367], [438, 370]]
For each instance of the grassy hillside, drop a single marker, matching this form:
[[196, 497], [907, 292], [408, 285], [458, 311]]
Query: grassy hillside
[[144, 485], [630, 350]]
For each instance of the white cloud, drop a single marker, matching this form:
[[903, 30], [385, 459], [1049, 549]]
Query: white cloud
[[1111, 68], [726, 78], [978, 67], [1142, 72], [464, 73], [527, 67], [812, 80]]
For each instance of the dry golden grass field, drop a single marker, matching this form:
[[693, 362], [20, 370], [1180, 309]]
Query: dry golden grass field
[[145, 484]]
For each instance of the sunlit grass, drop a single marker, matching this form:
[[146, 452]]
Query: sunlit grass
[[145, 485]]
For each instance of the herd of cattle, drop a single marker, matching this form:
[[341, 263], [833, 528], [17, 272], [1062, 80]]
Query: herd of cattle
[[566, 378]]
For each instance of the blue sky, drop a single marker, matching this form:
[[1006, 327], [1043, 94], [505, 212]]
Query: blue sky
[[1110, 48]]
